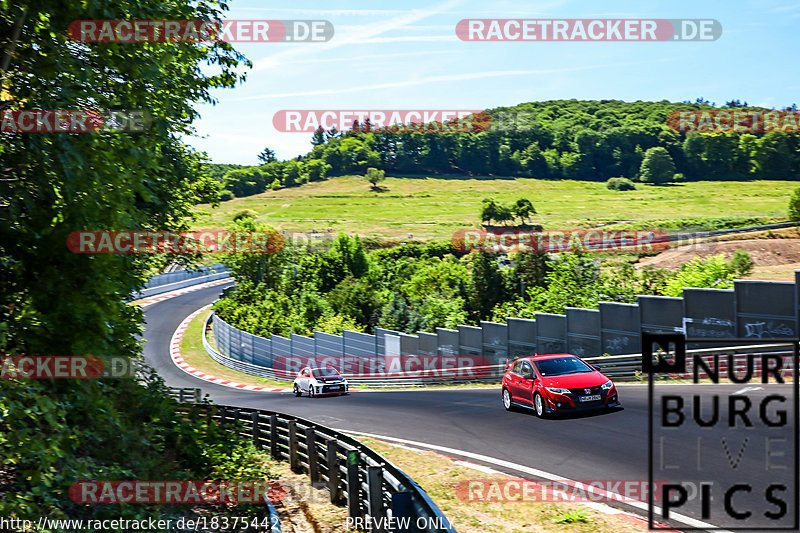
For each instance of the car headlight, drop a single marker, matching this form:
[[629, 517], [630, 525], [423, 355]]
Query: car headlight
[[607, 385], [556, 390]]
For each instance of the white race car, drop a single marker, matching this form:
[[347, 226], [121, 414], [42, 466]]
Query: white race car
[[319, 382]]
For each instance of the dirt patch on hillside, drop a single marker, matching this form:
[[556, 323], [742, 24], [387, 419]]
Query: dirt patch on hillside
[[764, 252]]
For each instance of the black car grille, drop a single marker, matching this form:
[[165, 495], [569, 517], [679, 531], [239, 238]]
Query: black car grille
[[333, 388], [583, 391]]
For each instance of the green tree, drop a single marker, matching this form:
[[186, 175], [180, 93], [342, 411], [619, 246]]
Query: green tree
[[442, 312], [486, 287], [533, 162], [504, 213], [350, 252], [292, 173], [397, 315], [523, 209], [356, 298], [318, 137], [741, 263], [375, 176], [258, 267], [794, 206], [493, 211], [712, 272], [267, 155], [488, 210], [315, 170], [54, 302], [572, 280], [657, 166]]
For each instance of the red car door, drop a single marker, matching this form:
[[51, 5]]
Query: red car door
[[512, 380], [525, 383]]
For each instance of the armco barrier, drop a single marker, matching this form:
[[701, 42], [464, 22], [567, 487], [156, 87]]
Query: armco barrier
[[492, 372], [761, 311], [178, 279], [618, 367], [371, 487]]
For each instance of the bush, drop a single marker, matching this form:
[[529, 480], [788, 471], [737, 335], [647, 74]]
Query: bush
[[246, 213], [657, 166], [374, 176], [620, 184], [741, 263], [712, 272], [225, 195], [794, 206]]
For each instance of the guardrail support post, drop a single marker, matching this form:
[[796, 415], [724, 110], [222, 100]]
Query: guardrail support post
[[222, 415], [375, 496], [334, 475], [294, 461], [353, 485], [402, 507], [198, 395], [180, 395], [313, 463], [256, 429], [274, 451]]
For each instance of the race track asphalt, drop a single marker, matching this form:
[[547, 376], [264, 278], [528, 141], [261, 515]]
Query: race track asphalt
[[588, 446]]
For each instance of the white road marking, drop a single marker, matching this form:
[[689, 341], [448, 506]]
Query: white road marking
[[688, 520], [747, 389]]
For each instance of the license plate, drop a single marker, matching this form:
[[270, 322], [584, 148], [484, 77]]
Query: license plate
[[591, 398], [339, 387]]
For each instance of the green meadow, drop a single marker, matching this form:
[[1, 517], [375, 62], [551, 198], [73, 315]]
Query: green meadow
[[428, 208]]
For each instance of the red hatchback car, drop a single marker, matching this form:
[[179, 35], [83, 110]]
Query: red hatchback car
[[556, 383]]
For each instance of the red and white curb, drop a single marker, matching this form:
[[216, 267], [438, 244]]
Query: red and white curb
[[144, 302], [177, 358]]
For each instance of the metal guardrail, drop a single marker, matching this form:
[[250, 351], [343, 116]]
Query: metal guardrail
[[372, 488], [186, 394], [493, 372], [618, 367], [179, 279]]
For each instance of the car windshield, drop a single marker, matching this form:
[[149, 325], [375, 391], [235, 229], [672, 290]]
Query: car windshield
[[561, 365], [326, 372]]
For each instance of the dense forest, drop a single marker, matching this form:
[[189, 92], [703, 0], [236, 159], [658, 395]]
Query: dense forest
[[557, 139]]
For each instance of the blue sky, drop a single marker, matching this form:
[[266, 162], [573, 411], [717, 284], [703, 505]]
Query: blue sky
[[387, 57]]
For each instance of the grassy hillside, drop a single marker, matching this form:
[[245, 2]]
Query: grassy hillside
[[435, 208]]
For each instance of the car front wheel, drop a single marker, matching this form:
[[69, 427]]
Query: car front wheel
[[538, 405], [311, 391], [506, 399]]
